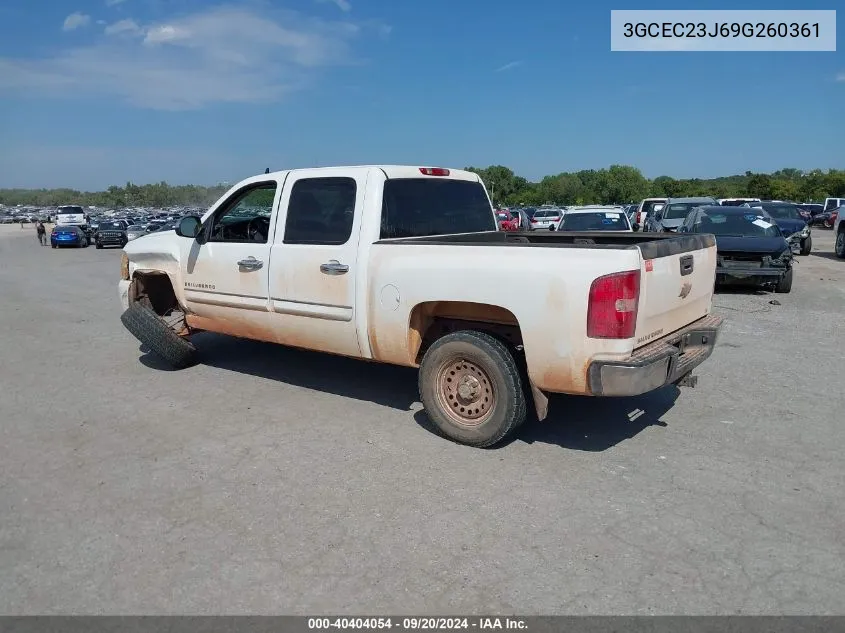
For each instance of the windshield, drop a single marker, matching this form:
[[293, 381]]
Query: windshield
[[736, 203], [71, 209], [783, 211], [110, 226], [680, 210], [737, 224], [418, 207], [597, 221]]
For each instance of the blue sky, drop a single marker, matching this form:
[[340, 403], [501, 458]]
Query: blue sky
[[98, 92]]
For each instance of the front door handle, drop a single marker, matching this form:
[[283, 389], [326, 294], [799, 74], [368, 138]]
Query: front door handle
[[250, 263], [334, 267]]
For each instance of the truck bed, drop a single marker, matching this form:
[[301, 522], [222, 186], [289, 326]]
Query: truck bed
[[652, 245]]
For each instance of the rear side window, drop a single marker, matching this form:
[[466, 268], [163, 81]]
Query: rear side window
[[420, 207], [321, 211]]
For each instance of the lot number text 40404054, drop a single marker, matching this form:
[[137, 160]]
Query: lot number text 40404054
[[417, 623]]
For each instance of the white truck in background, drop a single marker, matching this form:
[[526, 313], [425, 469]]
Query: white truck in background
[[405, 265]]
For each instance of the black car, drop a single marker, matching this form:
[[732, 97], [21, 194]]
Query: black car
[[751, 248], [111, 234], [792, 224]]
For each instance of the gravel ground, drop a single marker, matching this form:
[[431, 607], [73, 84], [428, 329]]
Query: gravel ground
[[269, 480]]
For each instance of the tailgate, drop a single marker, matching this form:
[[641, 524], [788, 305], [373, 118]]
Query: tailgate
[[677, 277]]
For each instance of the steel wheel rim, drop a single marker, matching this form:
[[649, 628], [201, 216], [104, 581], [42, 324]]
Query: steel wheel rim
[[465, 392]]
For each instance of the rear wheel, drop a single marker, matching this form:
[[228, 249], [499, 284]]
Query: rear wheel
[[471, 388], [159, 335], [785, 283], [806, 246], [839, 246]]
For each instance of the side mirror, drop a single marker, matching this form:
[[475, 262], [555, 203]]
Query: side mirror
[[635, 227], [189, 226]]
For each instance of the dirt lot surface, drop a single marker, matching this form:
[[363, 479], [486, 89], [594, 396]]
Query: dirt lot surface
[[270, 480]]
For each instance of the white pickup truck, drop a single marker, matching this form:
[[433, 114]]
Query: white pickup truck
[[405, 265]]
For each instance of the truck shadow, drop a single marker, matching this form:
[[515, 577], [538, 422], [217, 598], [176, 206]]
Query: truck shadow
[[574, 422], [588, 424]]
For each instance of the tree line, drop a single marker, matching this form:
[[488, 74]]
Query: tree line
[[616, 184], [626, 184]]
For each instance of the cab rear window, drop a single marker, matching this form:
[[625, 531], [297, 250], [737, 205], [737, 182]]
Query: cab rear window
[[420, 207]]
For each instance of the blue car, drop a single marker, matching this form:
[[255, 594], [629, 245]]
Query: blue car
[[793, 224], [751, 248], [68, 235]]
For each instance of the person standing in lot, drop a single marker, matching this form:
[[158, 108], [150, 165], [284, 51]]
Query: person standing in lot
[[42, 233]]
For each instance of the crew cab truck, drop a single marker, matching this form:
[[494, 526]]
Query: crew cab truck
[[392, 264]]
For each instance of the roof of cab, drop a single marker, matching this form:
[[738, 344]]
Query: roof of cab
[[391, 171]]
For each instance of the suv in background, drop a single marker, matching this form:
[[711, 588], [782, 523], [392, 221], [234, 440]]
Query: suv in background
[[674, 212], [646, 208], [111, 233], [831, 204]]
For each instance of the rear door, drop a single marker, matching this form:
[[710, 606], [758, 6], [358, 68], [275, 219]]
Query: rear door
[[677, 277], [315, 259]]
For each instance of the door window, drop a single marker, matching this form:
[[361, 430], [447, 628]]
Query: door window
[[245, 217], [321, 211]]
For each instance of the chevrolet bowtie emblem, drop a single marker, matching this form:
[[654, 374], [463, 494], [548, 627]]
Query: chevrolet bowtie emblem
[[685, 290]]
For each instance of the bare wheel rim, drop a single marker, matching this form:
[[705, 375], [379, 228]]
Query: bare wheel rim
[[173, 319], [465, 392]]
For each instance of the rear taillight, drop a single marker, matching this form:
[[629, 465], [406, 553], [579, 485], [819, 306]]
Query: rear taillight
[[533, 221], [434, 171], [612, 308]]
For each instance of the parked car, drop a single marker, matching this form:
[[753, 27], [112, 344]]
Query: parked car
[[839, 231], [736, 202], [673, 214], [392, 264], [592, 219], [646, 208], [135, 231], [792, 224], [812, 208], [831, 204], [68, 235], [111, 233], [751, 249], [545, 220]]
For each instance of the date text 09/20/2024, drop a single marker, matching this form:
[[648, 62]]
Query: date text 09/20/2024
[[417, 623]]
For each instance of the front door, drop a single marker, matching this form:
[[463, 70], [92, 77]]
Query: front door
[[315, 260], [225, 271]]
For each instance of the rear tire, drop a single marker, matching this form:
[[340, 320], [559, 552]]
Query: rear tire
[[806, 246], [471, 388], [839, 247], [785, 283], [147, 327]]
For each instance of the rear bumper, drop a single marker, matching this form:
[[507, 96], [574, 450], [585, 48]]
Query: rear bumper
[[663, 362]]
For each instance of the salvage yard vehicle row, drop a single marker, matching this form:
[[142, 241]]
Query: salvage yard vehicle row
[[393, 264]]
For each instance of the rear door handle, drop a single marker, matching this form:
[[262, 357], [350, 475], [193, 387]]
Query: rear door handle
[[334, 267], [686, 265], [250, 263]]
